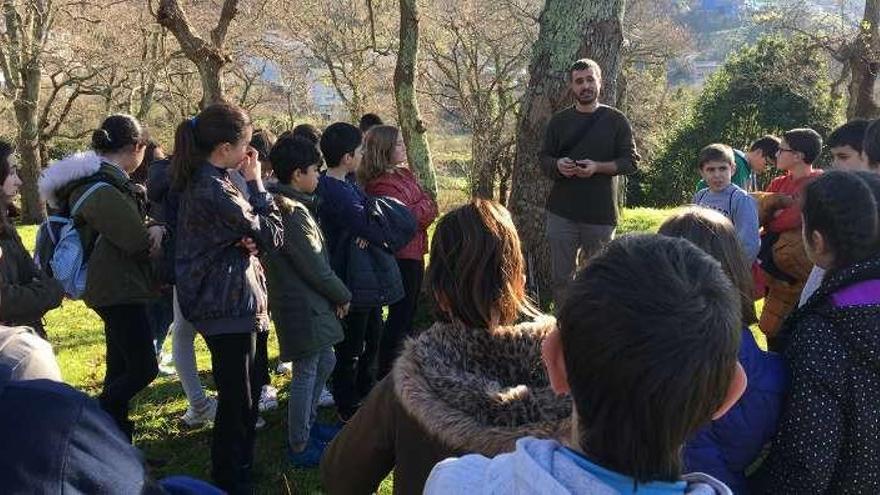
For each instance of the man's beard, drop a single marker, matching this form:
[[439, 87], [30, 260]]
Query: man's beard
[[587, 98]]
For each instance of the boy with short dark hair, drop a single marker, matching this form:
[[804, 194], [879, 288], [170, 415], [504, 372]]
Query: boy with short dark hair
[[871, 145], [343, 214], [716, 168], [783, 258], [647, 347], [747, 166], [846, 146], [306, 297]]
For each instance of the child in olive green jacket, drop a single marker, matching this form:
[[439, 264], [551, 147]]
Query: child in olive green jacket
[[306, 298]]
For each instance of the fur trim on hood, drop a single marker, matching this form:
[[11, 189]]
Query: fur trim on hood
[[478, 391], [65, 171]]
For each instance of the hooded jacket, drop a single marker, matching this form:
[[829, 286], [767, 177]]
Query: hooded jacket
[[112, 226], [829, 433], [222, 288], [453, 391], [303, 290], [540, 467], [26, 293], [27, 356]]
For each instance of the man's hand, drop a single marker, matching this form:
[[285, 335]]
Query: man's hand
[[566, 166], [585, 169], [248, 245]]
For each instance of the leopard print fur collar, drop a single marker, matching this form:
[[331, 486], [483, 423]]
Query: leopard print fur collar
[[478, 391]]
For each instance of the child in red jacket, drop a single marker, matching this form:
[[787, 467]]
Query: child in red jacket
[[384, 172], [782, 256]]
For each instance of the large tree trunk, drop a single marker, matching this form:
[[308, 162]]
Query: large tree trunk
[[864, 62], [28, 144], [484, 158], [569, 30], [208, 57], [411, 125]]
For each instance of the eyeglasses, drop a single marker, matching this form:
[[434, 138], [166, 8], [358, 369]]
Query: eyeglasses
[[785, 150]]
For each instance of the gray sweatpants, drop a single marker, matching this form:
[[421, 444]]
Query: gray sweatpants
[[571, 242]]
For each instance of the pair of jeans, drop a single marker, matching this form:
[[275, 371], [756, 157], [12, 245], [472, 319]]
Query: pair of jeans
[[570, 242], [131, 359], [355, 372], [183, 351], [232, 442], [398, 326], [310, 374]]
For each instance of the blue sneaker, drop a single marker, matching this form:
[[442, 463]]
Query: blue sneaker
[[324, 433], [308, 458]]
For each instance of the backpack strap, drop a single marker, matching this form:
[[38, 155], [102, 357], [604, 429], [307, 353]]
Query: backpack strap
[[88, 192]]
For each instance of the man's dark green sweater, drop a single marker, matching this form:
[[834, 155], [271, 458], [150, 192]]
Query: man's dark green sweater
[[602, 136]]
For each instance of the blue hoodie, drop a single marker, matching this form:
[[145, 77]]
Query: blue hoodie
[[546, 467]]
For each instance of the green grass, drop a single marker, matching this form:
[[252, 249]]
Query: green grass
[[77, 336]]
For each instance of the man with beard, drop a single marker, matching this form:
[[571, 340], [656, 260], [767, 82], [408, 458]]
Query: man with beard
[[585, 148]]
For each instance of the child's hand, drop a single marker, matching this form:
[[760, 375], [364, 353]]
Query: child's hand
[[342, 311], [250, 166]]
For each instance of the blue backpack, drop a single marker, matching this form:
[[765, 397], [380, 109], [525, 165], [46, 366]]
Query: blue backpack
[[59, 250]]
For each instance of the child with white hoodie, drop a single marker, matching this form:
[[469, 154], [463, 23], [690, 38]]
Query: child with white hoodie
[[647, 347]]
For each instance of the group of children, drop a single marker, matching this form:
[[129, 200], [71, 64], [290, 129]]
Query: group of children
[[650, 370]]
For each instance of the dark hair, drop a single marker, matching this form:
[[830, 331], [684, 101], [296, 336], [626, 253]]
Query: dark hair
[[584, 64], [715, 234], [338, 140], [293, 153], [369, 120], [768, 145], [262, 140], [842, 207], [117, 132], [806, 141], [872, 179], [6, 206], [309, 132], [197, 137], [871, 144], [715, 153], [142, 173], [650, 333], [851, 134], [477, 266]]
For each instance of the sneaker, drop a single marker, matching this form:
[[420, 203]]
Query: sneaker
[[261, 423], [326, 398], [308, 458], [197, 417], [166, 359], [324, 433], [166, 370], [284, 368], [268, 398]]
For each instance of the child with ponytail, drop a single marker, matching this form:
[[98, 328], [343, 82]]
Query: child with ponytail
[[220, 283], [829, 438], [384, 172]]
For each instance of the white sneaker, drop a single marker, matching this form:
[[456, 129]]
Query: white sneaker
[[326, 398], [194, 417], [261, 423], [284, 368], [268, 398]]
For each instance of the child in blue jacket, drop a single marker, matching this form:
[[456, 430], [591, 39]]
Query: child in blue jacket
[[726, 447]]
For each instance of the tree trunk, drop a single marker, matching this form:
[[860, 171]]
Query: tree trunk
[[411, 125], [569, 30], [28, 144], [864, 62], [484, 158], [210, 73]]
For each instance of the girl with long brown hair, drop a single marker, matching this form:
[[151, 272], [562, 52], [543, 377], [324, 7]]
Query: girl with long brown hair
[[384, 172]]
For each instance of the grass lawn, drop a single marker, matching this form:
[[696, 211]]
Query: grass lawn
[[76, 333]]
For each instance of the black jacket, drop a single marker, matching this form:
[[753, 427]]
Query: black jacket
[[372, 274], [829, 434]]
